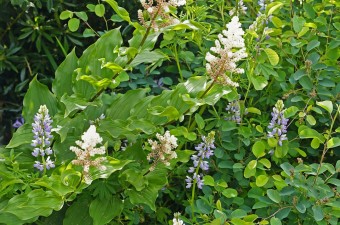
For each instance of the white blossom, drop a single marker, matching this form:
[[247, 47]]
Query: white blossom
[[228, 50], [176, 220], [163, 149], [87, 149]]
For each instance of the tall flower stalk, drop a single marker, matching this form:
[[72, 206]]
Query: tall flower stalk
[[228, 50], [86, 152], [42, 139], [278, 125]]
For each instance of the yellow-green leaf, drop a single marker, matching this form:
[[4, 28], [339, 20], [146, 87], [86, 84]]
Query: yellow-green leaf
[[272, 56]]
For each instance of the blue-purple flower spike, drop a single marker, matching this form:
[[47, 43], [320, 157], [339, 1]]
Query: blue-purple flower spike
[[278, 125], [205, 151], [42, 138]]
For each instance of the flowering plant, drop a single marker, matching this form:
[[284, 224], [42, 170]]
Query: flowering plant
[[196, 111]]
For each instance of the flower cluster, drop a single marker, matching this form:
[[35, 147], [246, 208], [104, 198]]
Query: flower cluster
[[176, 220], [159, 13], [162, 151], [234, 112], [278, 124], [205, 150], [241, 9], [86, 151], [228, 50], [42, 139]]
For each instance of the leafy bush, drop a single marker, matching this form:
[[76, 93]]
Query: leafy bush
[[225, 122]]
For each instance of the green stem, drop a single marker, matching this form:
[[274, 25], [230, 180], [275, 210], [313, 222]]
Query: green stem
[[325, 149], [177, 62]]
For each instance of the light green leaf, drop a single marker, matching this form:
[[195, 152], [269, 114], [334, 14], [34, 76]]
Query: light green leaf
[[291, 111], [261, 180], [274, 195], [272, 56], [73, 24], [199, 120], [82, 15], [259, 82], [327, 105], [254, 110], [99, 10], [259, 149], [333, 142], [65, 15], [119, 10], [275, 221], [22, 136], [265, 162], [298, 23], [306, 132], [311, 120], [208, 180], [229, 193], [273, 7]]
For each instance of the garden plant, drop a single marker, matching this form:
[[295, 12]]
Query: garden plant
[[183, 112]]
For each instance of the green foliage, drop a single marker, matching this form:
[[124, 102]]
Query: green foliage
[[135, 82]]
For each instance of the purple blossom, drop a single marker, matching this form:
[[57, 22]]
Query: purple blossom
[[234, 111], [42, 138], [19, 122], [278, 125], [204, 151]]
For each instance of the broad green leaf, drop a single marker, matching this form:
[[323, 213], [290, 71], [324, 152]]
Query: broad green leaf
[[99, 10], [112, 165], [272, 56], [254, 110], [303, 31], [333, 142], [122, 106], [291, 111], [315, 143], [119, 10], [261, 180], [306, 132], [32, 204], [259, 82], [301, 207], [313, 44], [274, 195], [73, 24], [317, 213], [22, 136], [65, 15], [134, 177], [199, 120], [103, 211], [327, 105], [249, 172], [273, 7], [229, 193], [79, 207], [147, 56], [298, 23], [275, 221], [38, 94], [258, 149], [170, 112], [252, 164], [63, 76], [265, 162], [311, 120], [54, 183], [73, 103], [82, 15], [208, 180]]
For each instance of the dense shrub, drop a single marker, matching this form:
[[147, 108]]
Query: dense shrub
[[196, 113]]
